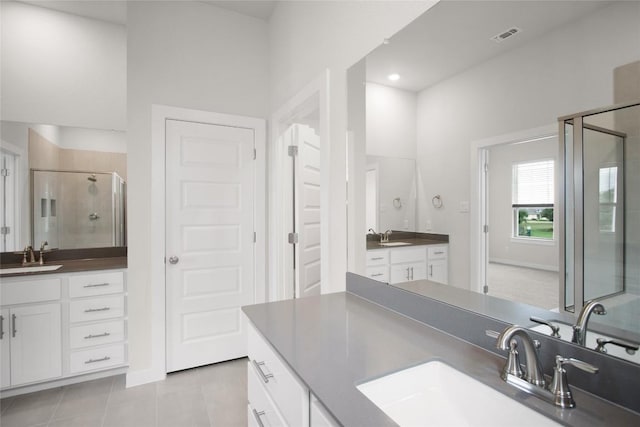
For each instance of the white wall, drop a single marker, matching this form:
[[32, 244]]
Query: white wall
[[566, 71], [391, 121], [502, 247], [184, 54], [109, 141], [62, 69], [307, 38]]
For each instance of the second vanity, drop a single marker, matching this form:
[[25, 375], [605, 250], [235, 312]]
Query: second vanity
[[313, 353]]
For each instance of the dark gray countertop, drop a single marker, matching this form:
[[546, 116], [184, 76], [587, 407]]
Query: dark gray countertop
[[74, 265], [337, 341], [412, 242]]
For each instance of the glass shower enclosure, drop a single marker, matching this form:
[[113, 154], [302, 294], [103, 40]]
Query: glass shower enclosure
[[600, 205], [73, 210]]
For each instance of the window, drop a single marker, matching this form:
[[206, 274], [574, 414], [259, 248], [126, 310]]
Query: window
[[532, 202], [608, 187]]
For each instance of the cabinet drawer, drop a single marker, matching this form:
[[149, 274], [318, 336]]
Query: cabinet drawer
[[88, 285], [262, 410], [96, 334], [96, 358], [27, 291], [414, 254], [289, 396], [380, 274], [437, 252], [378, 257], [96, 308]]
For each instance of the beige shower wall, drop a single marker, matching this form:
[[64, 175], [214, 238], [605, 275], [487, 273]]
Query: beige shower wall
[[43, 154]]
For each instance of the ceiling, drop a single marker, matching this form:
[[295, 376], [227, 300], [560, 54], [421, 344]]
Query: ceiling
[[115, 11], [455, 35]]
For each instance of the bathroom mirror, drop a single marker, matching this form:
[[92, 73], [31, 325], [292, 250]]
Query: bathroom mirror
[[64, 185], [391, 194], [479, 85]]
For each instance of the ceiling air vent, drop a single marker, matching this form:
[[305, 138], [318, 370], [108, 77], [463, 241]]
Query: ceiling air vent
[[506, 34]]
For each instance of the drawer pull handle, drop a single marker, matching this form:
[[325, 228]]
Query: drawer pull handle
[[258, 366], [377, 258], [438, 253], [257, 416], [95, 285], [377, 274], [1, 327], [105, 334], [104, 359], [92, 310]]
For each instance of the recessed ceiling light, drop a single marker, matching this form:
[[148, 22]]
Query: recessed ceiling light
[[393, 77]]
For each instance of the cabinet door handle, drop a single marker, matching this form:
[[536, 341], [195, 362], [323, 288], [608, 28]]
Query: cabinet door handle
[[104, 359], [13, 329], [431, 270], [1, 327], [257, 416], [411, 273], [258, 366], [92, 310], [95, 285], [407, 273], [90, 336]]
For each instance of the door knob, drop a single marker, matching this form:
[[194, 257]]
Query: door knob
[[174, 260]]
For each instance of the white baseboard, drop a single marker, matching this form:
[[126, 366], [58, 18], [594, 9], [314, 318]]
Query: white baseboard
[[16, 391], [144, 376], [524, 264]]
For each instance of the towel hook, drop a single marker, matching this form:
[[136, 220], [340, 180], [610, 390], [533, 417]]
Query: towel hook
[[436, 201]]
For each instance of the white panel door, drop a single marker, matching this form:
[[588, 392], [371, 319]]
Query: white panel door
[[36, 343], [307, 211], [209, 241], [5, 354]]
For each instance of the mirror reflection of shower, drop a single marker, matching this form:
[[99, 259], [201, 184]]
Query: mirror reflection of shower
[[602, 227], [78, 209]]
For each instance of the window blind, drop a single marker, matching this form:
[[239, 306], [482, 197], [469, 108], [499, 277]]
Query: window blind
[[533, 183]]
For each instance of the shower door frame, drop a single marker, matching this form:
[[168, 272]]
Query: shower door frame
[[575, 170]]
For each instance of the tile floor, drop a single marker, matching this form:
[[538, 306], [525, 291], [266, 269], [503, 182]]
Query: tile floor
[[214, 395]]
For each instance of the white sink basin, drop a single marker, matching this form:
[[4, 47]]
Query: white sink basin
[[34, 269], [566, 333], [395, 244], [436, 394]]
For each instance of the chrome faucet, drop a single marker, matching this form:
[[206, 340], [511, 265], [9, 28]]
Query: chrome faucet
[[534, 373], [580, 328], [43, 245], [28, 257], [384, 237]]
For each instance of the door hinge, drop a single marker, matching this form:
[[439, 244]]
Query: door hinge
[[254, 237], [292, 150], [5, 230], [293, 238], [5, 172], [255, 154], [485, 228]]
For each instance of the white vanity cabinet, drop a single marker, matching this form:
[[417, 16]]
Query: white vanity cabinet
[[404, 264], [96, 321], [319, 415], [438, 263], [276, 395], [61, 326], [30, 333]]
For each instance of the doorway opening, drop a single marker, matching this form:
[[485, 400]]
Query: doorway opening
[[517, 246]]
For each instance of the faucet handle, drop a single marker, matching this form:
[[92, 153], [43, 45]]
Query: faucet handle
[[512, 367], [629, 347], [555, 329], [560, 385]]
